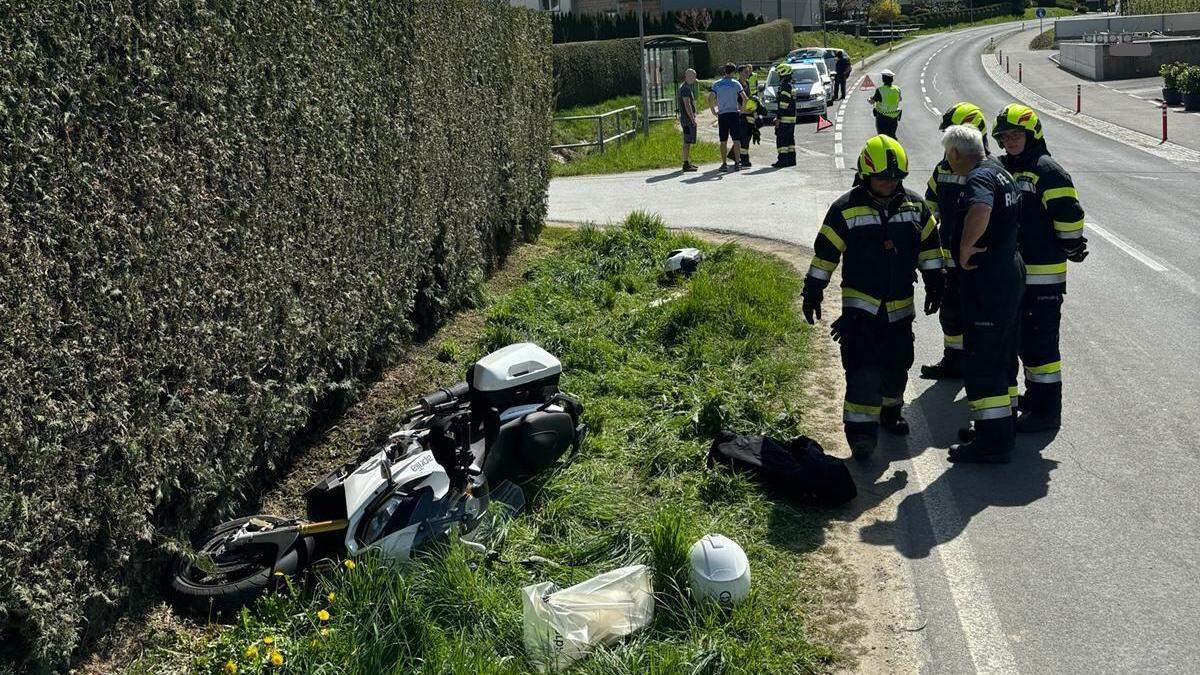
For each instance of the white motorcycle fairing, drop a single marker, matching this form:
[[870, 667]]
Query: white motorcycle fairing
[[367, 483]]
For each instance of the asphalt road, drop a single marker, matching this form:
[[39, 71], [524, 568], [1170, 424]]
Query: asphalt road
[[1083, 555]]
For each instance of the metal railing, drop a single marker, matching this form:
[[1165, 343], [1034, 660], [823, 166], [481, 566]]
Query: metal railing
[[615, 116]]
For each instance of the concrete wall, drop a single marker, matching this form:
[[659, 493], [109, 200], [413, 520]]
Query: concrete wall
[[1097, 62], [1171, 24]]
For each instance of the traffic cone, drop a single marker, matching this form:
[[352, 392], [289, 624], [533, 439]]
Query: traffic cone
[[823, 123], [867, 83]]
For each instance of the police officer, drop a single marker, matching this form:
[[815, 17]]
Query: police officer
[[785, 121], [885, 233], [887, 102], [1051, 234], [942, 194], [991, 277]]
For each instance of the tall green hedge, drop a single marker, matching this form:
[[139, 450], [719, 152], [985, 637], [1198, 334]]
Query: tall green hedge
[[760, 43], [217, 215], [595, 71]]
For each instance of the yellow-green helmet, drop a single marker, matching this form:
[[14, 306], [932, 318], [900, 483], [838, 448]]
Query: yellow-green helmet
[[883, 157], [783, 69], [1017, 116], [964, 113]]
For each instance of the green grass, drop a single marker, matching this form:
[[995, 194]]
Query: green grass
[[660, 149], [1043, 40], [660, 364], [585, 130], [856, 47]]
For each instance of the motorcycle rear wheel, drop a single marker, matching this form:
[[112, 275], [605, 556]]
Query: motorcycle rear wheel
[[234, 579]]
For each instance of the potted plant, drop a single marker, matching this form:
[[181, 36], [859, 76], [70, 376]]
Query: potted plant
[[1170, 76], [1188, 82]]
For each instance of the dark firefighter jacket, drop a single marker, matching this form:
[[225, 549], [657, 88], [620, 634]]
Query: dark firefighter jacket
[[882, 244], [1050, 215]]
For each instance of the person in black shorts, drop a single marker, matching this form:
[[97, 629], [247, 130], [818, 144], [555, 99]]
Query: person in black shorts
[[725, 99], [686, 101]]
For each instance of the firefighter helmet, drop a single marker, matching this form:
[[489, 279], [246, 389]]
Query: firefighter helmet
[[1016, 116], [883, 157], [784, 70], [964, 113]]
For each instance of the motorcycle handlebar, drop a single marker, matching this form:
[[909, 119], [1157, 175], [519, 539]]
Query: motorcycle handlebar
[[444, 395]]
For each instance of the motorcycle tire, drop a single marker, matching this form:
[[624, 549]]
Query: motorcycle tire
[[225, 596]]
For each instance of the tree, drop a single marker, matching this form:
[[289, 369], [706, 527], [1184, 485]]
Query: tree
[[884, 11], [693, 21]]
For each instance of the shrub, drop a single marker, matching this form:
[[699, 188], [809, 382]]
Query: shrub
[[1188, 80], [215, 218], [884, 11], [1170, 73], [760, 43], [591, 72]]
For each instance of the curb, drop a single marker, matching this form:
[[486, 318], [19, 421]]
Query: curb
[[1135, 139]]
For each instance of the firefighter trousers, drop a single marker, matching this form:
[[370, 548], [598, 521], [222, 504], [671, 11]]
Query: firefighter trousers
[[876, 356], [950, 316], [1041, 313], [785, 142], [991, 323]]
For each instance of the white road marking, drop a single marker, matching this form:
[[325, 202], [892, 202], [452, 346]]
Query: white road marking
[[1127, 247], [837, 136]]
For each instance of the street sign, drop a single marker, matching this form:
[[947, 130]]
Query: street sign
[[1040, 13]]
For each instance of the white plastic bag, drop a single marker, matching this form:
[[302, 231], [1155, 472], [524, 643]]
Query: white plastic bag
[[561, 626]]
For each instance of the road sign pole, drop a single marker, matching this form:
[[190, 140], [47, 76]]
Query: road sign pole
[[645, 82], [1164, 109], [1078, 97]]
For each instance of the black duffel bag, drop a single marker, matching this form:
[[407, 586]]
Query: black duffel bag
[[798, 469]]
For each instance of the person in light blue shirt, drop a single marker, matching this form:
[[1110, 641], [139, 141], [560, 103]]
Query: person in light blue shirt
[[725, 99]]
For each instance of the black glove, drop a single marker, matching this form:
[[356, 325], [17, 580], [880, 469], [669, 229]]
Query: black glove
[[1076, 250], [812, 304], [842, 329], [756, 139], [935, 289]]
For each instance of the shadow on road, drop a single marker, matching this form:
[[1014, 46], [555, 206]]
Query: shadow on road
[[666, 176], [766, 169], [715, 174]]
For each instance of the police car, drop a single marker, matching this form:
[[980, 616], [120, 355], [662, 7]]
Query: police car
[[809, 90]]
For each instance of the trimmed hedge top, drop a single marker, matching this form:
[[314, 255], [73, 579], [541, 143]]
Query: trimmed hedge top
[[215, 217], [760, 43]]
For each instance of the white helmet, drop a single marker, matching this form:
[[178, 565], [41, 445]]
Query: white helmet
[[720, 570], [682, 260]]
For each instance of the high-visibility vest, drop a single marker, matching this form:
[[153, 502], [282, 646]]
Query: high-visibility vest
[[888, 104]]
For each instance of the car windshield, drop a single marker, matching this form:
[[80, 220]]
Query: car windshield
[[808, 53], [802, 73]]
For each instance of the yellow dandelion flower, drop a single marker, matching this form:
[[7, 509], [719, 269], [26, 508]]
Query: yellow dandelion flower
[[332, 596], [230, 667], [349, 564], [323, 615], [276, 658], [324, 632], [251, 652], [270, 639], [313, 643]]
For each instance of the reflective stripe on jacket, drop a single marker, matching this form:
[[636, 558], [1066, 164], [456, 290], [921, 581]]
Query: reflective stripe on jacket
[[1050, 215]]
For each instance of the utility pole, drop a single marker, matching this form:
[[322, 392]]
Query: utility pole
[[824, 35], [645, 82], [778, 9]]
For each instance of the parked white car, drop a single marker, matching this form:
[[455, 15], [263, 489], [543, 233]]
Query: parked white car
[[807, 87], [827, 54]]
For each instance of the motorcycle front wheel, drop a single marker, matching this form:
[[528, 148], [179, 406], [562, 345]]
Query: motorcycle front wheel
[[218, 581]]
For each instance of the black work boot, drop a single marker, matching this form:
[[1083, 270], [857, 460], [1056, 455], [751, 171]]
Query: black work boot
[[949, 368], [861, 447], [966, 434], [1031, 422], [976, 451], [892, 421]]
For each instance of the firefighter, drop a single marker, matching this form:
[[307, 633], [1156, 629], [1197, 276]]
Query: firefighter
[[991, 281], [885, 233], [887, 103], [942, 193], [785, 120], [1051, 234]]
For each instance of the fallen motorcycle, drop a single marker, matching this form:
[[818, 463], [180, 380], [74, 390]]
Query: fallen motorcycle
[[458, 453]]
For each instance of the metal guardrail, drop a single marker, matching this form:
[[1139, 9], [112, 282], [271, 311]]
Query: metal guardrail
[[600, 118]]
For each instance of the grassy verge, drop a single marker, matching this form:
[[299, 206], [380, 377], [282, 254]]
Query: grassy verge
[[659, 149], [585, 130], [660, 365], [1043, 40]]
